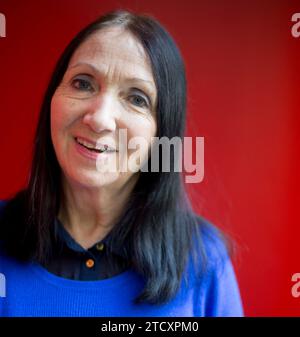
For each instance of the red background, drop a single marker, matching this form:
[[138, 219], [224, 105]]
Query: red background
[[243, 74]]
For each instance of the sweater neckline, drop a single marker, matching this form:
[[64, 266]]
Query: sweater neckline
[[113, 281]]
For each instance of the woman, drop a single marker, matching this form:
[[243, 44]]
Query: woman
[[88, 237]]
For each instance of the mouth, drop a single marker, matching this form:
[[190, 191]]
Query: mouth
[[97, 148]]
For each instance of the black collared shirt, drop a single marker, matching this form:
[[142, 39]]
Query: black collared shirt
[[72, 261]]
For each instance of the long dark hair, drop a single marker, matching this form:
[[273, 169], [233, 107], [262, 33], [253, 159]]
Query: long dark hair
[[158, 221]]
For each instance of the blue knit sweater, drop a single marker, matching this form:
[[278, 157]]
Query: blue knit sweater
[[27, 289]]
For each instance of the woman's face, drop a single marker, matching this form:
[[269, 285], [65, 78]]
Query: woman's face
[[108, 86]]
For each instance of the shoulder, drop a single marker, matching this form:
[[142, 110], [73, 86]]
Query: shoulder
[[213, 243], [2, 205], [7, 262], [217, 292]]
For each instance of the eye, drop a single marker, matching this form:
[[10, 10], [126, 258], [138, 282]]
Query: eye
[[82, 84], [138, 101]]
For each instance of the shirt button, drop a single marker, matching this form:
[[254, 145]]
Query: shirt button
[[100, 246], [90, 263]]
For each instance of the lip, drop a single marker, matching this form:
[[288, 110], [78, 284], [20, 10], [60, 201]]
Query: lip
[[95, 143], [88, 153]]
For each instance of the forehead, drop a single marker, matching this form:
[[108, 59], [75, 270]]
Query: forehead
[[114, 48]]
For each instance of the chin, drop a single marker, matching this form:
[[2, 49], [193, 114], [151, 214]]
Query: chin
[[95, 179]]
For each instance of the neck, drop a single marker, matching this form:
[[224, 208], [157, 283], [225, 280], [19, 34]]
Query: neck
[[90, 214]]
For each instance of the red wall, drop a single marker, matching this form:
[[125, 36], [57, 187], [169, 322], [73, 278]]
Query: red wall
[[243, 72]]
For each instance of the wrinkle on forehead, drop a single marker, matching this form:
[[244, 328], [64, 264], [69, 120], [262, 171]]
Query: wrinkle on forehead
[[111, 41]]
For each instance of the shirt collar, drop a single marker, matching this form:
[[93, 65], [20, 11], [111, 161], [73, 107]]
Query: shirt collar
[[64, 238]]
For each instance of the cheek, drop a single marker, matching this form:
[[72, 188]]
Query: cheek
[[63, 113], [141, 132], [55, 117], [144, 127], [60, 119]]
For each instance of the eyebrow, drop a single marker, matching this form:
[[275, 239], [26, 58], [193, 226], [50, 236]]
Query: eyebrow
[[128, 79]]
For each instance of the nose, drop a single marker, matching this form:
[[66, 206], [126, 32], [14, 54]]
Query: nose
[[101, 113]]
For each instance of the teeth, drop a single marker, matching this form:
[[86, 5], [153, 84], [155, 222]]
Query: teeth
[[92, 147], [86, 144]]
